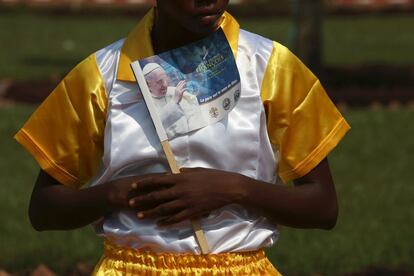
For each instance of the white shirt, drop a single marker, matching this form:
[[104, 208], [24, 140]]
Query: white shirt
[[238, 143]]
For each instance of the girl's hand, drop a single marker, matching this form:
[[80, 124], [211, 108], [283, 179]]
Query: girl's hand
[[118, 193], [190, 194]]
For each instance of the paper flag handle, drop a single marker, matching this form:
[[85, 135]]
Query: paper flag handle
[[170, 157], [200, 237]]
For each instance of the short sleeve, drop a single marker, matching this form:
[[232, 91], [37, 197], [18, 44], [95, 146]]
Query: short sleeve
[[303, 124], [65, 133]]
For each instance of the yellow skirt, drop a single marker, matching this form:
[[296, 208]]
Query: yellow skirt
[[125, 261]]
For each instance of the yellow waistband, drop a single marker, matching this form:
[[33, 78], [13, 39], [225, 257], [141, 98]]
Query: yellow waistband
[[126, 261], [165, 260]]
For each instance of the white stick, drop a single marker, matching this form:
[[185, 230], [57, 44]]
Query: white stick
[[199, 234]]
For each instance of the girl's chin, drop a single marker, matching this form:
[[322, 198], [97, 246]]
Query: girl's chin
[[206, 24], [209, 20]]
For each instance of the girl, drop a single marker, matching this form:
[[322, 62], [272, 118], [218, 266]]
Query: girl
[[95, 128]]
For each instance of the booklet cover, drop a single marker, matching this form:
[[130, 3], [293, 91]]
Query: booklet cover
[[189, 87]]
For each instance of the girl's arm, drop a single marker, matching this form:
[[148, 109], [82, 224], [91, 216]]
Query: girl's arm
[[54, 206], [310, 203]]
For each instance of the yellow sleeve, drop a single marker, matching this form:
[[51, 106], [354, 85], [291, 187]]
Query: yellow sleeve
[[303, 123], [65, 134]]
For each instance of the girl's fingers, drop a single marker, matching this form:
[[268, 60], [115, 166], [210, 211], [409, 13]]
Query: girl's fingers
[[152, 198], [155, 181], [166, 209]]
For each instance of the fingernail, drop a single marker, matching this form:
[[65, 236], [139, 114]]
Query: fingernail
[[140, 215]]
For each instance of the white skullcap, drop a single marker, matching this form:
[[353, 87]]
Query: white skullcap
[[149, 67]]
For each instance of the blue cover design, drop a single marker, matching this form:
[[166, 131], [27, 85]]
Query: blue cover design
[[207, 66]]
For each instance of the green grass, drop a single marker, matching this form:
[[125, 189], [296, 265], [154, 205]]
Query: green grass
[[20, 246], [373, 172], [36, 46], [353, 40]]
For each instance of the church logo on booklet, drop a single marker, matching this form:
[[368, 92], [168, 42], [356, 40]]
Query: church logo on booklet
[[214, 112], [226, 104], [236, 95]]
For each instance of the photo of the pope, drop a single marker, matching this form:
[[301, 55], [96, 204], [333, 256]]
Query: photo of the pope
[[178, 109]]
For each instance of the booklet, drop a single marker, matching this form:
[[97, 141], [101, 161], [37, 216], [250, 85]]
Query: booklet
[[190, 87]]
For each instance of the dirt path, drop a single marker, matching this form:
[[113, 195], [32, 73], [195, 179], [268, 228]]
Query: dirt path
[[349, 86]]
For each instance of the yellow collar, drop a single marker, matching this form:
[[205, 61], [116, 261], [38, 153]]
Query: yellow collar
[[138, 44]]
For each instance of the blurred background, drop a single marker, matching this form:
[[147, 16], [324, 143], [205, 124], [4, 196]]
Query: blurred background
[[363, 52]]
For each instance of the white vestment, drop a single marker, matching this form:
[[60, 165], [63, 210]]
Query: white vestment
[[180, 118]]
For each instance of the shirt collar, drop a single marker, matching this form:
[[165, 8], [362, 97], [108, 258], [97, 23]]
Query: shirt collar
[[138, 44]]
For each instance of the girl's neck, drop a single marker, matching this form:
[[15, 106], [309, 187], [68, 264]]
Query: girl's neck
[[168, 34]]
